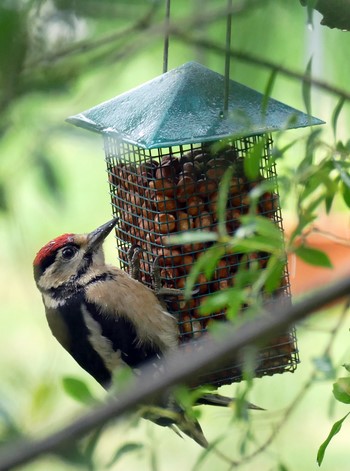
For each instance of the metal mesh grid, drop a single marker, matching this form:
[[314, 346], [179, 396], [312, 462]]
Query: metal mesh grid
[[168, 190]]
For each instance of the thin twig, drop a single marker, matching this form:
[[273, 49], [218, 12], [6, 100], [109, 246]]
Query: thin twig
[[180, 30], [258, 61], [327, 235]]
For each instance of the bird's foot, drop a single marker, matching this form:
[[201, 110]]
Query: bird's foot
[[160, 290], [133, 256]]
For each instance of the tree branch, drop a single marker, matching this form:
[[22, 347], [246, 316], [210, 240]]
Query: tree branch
[[179, 368], [258, 61]]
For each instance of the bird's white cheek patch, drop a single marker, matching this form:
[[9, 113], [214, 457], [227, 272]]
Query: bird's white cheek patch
[[102, 345], [52, 303]]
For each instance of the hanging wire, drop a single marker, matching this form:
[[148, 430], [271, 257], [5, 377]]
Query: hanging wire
[[166, 36], [227, 56]]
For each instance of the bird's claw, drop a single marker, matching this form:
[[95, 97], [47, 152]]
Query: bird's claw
[[133, 256]]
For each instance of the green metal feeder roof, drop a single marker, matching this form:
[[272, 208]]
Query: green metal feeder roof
[[184, 106]]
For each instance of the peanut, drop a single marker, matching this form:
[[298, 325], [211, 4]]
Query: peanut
[[164, 223]]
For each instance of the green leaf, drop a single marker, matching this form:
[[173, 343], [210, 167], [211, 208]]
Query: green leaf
[[191, 237], [336, 114], [334, 430], [216, 301], [328, 201], [347, 366], [304, 220], [341, 390], [222, 201], [273, 273], [207, 452], [345, 191], [92, 443], [281, 467], [252, 161], [257, 233], [4, 204], [262, 226], [311, 144], [206, 264], [78, 390], [268, 91], [256, 243], [306, 87], [313, 256], [344, 175], [216, 252], [237, 298], [123, 450]]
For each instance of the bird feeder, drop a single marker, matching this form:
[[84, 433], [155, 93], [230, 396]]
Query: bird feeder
[[167, 144]]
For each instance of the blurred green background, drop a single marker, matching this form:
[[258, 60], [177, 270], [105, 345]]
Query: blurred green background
[[53, 180]]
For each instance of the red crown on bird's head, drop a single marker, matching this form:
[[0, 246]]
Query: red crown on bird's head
[[52, 247]]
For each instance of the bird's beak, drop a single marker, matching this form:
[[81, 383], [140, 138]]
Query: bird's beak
[[95, 238]]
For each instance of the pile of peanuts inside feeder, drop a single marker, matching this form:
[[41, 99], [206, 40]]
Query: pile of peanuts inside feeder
[[170, 194]]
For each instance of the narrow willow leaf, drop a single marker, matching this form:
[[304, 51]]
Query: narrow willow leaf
[[345, 191], [304, 220], [257, 243], [208, 452], [334, 430], [92, 443], [268, 91], [262, 226], [311, 144], [222, 201], [341, 390], [78, 390], [252, 161], [215, 302], [328, 201], [306, 87], [315, 204], [237, 298], [216, 252], [313, 256], [344, 175], [273, 273], [191, 237], [336, 114], [4, 204], [123, 450], [206, 263]]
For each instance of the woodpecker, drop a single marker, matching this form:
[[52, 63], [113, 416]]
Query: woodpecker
[[105, 318]]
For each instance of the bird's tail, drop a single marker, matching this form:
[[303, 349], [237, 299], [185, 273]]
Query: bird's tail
[[210, 399], [191, 428], [176, 418]]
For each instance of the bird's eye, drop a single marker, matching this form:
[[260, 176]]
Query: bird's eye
[[68, 252]]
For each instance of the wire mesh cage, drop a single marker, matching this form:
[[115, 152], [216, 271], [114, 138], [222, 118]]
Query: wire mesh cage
[[164, 174], [168, 190]]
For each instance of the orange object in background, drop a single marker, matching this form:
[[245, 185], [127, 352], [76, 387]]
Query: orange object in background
[[332, 236]]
